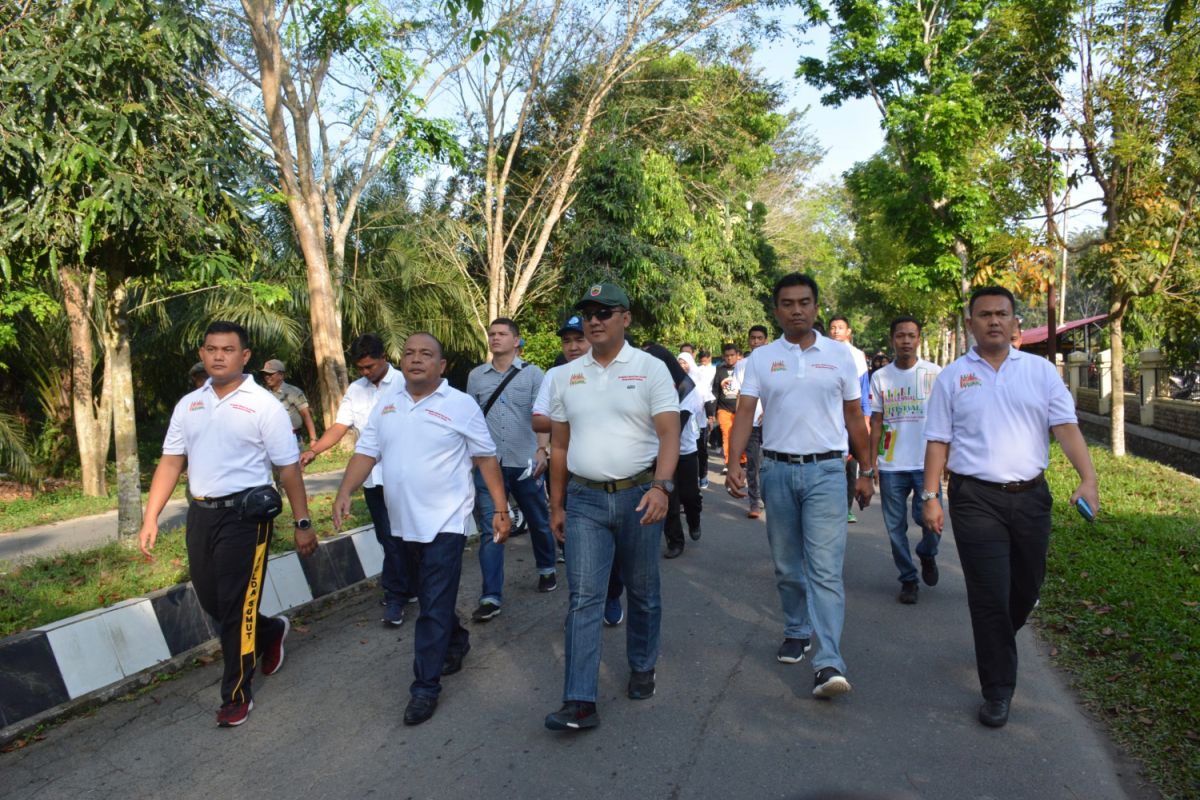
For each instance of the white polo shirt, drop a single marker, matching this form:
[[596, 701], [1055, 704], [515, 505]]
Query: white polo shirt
[[611, 412], [230, 442], [356, 406], [805, 390], [901, 396], [997, 422], [425, 449], [541, 403]]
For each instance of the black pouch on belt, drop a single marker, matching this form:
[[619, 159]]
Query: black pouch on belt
[[260, 504]]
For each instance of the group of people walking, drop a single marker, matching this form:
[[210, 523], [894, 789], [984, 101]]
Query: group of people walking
[[606, 454]]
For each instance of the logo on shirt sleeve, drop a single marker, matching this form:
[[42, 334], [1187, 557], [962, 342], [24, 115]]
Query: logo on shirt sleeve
[[968, 380]]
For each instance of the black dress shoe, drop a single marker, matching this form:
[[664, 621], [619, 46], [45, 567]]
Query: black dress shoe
[[454, 660], [420, 708], [674, 551], [994, 713]]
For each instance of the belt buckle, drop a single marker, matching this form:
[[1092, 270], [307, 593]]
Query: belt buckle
[[610, 486]]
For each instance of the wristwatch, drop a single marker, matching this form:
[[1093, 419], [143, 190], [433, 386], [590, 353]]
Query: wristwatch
[[867, 473], [666, 486], [925, 495], [303, 524]]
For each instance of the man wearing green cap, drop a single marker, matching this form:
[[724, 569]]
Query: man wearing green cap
[[615, 443], [292, 397]]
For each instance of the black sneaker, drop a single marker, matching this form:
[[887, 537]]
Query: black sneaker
[[929, 570], [695, 532], [548, 583], [485, 612], [792, 650], [673, 551], [828, 683], [573, 716], [641, 685], [908, 593], [454, 660]]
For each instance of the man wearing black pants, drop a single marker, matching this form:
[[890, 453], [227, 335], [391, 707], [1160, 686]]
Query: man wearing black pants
[[989, 420], [227, 433], [757, 338]]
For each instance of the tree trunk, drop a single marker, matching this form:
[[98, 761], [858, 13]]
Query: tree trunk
[[326, 326], [964, 259], [119, 365], [1116, 337], [92, 420]]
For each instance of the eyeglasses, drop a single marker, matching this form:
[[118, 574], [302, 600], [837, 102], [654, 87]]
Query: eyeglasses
[[603, 314]]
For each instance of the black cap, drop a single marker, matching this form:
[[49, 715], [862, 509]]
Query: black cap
[[572, 323]]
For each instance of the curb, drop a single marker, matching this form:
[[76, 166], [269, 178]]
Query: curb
[[73, 663]]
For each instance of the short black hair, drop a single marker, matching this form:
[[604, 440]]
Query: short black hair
[[991, 291], [686, 344], [794, 279], [841, 317], [730, 346], [436, 340], [903, 318], [224, 326], [512, 326], [703, 354], [369, 345], [760, 329]]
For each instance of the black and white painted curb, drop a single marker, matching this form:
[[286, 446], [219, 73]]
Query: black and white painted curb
[[59, 664]]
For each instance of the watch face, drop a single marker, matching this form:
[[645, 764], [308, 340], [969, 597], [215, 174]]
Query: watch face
[[303, 524]]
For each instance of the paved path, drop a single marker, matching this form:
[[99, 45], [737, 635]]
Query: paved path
[[77, 534], [728, 720]]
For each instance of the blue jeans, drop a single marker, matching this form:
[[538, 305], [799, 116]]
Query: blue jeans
[[806, 526], [894, 489], [531, 499], [602, 527], [437, 632], [397, 577]]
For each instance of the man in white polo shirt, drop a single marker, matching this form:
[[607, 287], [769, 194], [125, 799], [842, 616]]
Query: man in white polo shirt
[[994, 409], [899, 393], [614, 447], [810, 385], [397, 577], [426, 436], [228, 433]]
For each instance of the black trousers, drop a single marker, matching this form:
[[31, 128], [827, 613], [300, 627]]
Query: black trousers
[[685, 498], [702, 454], [754, 459], [398, 577], [851, 477], [227, 557], [437, 632], [1002, 540]]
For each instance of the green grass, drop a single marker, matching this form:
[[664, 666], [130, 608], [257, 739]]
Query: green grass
[[1121, 607], [61, 586]]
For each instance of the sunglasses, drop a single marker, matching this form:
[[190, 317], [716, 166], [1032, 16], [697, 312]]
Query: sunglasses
[[603, 314]]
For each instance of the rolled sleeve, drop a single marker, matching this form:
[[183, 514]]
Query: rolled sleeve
[[938, 425], [174, 444], [278, 438], [345, 412], [750, 382]]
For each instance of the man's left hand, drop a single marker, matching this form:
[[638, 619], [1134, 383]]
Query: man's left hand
[[1089, 492], [306, 542], [864, 490], [540, 463], [654, 503], [501, 526]]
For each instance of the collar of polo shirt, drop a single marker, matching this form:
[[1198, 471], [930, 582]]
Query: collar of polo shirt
[[1013, 353], [440, 390], [623, 355]]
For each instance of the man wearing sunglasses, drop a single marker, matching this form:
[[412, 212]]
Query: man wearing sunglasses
[[614, 418]]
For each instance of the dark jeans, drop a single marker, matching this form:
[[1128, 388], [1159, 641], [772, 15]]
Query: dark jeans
[[702, 455], [531, 498], [753, 463], [851, 477], [397, 578], [437, 632], [686, 496], [1002, 540], [227, 557]]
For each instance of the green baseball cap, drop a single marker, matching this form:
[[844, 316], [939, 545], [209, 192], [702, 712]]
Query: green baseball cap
[[604, 294]]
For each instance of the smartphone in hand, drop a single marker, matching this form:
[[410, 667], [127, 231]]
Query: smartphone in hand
[[1085, 510]]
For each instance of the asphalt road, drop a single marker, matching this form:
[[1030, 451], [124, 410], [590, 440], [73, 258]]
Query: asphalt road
[[77, 534], [728, 719]]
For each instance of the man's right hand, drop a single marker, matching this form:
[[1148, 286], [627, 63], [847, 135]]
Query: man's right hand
[[735, 479], [307, 457], [147, 536], [558, 523], [934, 517], [341, 510]]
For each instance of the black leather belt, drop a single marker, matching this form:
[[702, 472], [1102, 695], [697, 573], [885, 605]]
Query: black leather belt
[[641, 479], [788, 458], [1012, 486], [228, 501]]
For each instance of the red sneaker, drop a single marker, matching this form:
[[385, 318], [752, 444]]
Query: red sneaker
[[231, 715], [273, 653]]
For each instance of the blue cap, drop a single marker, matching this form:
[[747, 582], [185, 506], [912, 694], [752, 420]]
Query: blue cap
[[572, 323]]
